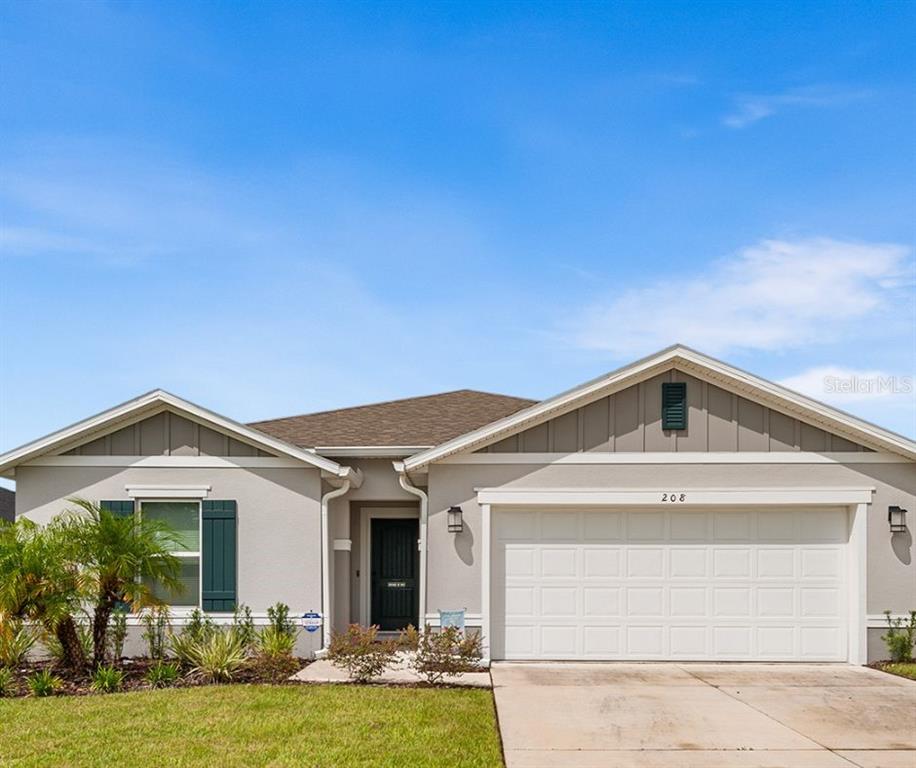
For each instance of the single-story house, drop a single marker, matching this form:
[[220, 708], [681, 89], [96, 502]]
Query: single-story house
[[676, 508]]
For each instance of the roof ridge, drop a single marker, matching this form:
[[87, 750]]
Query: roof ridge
[[391, 402]]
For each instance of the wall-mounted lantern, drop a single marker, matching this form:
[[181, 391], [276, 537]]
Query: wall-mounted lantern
[[455, 524], [896, 517]]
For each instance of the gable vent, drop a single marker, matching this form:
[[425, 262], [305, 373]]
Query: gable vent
[[674, 405]]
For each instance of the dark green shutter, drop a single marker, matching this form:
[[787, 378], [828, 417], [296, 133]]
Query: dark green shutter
[[674, 405], [218, 555], [119, 508]]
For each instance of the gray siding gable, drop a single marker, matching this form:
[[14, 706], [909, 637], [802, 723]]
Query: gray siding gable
[[630, 421]]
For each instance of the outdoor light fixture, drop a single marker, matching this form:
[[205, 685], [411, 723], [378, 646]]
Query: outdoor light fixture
[[455, 524], [896, 516]]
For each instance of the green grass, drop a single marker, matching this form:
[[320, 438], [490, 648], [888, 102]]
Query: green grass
[[256, 725], [902, 668]]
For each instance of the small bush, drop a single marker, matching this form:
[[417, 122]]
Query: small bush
[[218, 657], [900, 637], [243, 625], [7, 682], [275, 644], [16, 640], [117, 634], [155, 632], [278, 618], [447, 653], [162, 674], [107, 680], [196, 633], [360, 653], [44, 683]]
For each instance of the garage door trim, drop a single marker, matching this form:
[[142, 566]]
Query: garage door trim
[[856, 500]]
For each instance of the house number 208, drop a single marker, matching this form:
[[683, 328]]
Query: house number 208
[[674, 497]]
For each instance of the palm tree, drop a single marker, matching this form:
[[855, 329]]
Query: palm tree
[[37, 583], [119, 558]]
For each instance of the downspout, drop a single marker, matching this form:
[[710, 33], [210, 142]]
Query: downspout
[[424, 509], [326, 563]]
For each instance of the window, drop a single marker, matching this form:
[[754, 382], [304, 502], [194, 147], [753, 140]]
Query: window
[[674, 405], [184, 517]]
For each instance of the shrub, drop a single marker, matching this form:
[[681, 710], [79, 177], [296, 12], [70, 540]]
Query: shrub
[[900, 637], [243, 625], [360, 653], [186, 646], [44, 683], [199, 625], [16, 640], [446, 653], [162, 674], [7, 682], [107, 679], [218, 657], [117, 634], [278, 618], [155, 631], [274, 644]]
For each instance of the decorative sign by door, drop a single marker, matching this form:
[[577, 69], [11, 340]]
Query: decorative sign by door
[[311, 621]]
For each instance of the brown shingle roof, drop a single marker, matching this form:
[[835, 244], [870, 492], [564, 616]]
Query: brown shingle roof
[[414, 421]]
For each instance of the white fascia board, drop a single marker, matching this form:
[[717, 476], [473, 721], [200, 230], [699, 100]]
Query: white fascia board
[[149, 404], [168, 462], [673, 496], [749, 457], [682, 358]]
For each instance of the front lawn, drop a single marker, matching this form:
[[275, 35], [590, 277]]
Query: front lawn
[[902, 668], [242, 725]]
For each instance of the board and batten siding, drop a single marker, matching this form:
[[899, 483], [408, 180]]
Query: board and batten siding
[[166, 434], [631, 421]]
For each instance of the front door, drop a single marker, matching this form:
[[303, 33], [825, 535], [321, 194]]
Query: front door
[[395, 564]]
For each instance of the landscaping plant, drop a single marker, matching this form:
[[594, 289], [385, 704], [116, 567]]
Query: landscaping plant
[[900, 637], [107, 679], [447, 653], [155, 631], [361, 653], [7, 682], [162, 674], [44, 683], [39, 583], [57, 652], [278, 618], [16, 640], [117, 634], [119, 558], [218, 657], [243, 624]]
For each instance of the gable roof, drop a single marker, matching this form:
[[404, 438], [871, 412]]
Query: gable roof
[[696, 364], [414, 422], [148, 405]]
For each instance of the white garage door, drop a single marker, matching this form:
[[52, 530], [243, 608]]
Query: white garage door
[[766, 584]]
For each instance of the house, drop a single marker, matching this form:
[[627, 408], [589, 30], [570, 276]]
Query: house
[[676, 508]]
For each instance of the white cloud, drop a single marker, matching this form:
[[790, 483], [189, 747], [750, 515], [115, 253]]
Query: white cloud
[[838, 384], [774, 295], [750, 108]]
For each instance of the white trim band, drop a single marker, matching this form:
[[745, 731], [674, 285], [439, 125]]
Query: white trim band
[[672, 496], [167, 462], [776, 457], [167, 491]]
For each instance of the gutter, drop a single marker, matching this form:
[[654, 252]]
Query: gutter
[[424, 514]]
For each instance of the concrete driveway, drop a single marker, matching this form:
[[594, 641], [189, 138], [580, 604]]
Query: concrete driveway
[[704, 716]]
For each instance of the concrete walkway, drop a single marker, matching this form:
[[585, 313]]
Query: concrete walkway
[[704, 716], [322, 671]]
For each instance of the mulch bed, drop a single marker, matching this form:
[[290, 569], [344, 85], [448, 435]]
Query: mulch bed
[[892, 667], [77, 684]]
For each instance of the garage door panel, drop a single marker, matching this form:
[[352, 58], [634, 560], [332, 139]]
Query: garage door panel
[[714, 585]]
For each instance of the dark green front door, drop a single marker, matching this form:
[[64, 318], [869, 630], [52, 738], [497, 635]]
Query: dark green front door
[[395, 563]]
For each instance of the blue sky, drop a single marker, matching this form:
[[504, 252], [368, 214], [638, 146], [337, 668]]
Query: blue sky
[[276, 208]]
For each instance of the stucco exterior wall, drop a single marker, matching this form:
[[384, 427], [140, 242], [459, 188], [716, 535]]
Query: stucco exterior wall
[[278, 520], [454, 560]]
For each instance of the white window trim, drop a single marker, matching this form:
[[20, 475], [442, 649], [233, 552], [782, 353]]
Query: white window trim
[[856, 500], [168, 492], [188, 609], [368, 514]]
